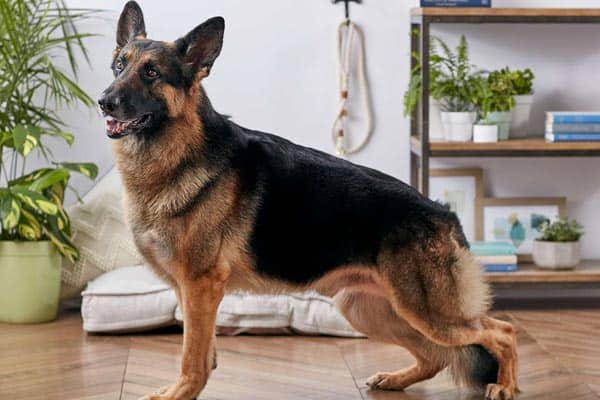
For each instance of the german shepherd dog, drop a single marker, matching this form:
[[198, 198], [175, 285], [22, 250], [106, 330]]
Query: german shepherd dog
[[215, 207]]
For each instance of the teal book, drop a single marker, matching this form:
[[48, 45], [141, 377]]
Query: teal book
[[492, 249]]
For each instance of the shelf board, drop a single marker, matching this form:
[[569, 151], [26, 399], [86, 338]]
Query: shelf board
[[505, 15], [506, 12], [587, 272], [533, 147]]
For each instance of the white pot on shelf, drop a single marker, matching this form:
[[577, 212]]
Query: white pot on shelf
[[485, 133], [556, 255], [458, 126], [519, 126]]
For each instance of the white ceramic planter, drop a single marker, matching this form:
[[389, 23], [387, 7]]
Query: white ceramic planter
[[556, 255], [519, 126], [458, 126], [436, 132], [485, 133]]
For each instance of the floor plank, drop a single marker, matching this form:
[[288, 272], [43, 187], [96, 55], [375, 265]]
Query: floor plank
[[559, 352]]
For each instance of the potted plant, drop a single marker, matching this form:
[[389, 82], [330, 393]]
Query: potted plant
[[34, 227], [558, 246], [456, 86], [484, 130], [522, 83], [495, 101]]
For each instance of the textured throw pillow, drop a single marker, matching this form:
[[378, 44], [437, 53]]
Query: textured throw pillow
[[101, 234]]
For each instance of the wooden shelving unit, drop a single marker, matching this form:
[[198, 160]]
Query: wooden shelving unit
[[422, 149]]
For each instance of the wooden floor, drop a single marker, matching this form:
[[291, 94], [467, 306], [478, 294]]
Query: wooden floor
[[559, 350]]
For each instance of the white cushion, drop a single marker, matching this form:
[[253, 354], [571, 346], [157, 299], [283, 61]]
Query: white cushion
[[130, 298], [133, 298], [304, 313]]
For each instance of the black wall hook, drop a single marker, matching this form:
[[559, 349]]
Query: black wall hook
[[347, 5]]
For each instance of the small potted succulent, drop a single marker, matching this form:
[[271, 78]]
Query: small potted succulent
[[558, 246]]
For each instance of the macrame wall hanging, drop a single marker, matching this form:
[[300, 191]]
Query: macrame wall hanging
[[351, 57]]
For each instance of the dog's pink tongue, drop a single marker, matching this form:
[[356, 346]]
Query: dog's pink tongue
[[115, 127]]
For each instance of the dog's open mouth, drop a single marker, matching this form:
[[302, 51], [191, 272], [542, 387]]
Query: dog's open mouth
[[116, 129]]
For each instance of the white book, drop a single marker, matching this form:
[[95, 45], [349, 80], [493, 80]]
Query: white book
[[496, 260]]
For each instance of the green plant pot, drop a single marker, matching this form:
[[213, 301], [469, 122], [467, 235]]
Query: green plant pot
[[503, 120], [30, 275]]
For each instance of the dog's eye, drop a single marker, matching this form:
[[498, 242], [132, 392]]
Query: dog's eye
[[119, 66], [151, 73]]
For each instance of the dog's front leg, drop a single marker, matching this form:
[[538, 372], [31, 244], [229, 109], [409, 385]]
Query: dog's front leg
[[200, 298]]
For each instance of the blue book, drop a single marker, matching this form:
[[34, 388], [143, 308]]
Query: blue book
[[577, 128], [574, 117], [492, 249], [456, 3], [572, 137], [500, 268]]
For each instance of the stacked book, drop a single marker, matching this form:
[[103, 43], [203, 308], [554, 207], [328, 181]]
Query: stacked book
[[495, 256], [573, 126], [456, 3]]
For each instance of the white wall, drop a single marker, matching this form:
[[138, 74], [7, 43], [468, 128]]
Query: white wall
[[277, 73]]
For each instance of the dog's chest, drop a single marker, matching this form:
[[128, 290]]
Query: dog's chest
[[152, 235]]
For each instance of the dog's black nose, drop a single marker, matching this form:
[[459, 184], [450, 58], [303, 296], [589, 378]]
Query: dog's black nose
[[108, 103]]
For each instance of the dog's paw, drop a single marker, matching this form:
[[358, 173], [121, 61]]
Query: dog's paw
[[494, 391], [158, 395], [384, 381]]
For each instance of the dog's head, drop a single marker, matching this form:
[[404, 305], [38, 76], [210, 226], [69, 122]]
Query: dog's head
[[156, 81]]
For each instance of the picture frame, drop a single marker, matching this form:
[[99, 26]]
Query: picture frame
[[462, 189], [515, 220]]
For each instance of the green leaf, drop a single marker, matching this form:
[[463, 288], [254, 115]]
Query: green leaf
[[34, 200], [49, 178], [62, 242], [69, 138], [88, 169], [29, 227], [10, 212], [26, 139]]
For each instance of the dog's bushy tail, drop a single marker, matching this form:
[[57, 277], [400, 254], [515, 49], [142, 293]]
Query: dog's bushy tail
[[473, 366]]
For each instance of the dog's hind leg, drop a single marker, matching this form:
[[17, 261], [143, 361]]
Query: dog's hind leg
[[374, 316], [441, 294]]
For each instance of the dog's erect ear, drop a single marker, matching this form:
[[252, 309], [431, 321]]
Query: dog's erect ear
[[201, 47], [131, 24]]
